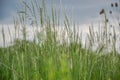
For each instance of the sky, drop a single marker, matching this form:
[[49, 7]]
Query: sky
[[83, 11]]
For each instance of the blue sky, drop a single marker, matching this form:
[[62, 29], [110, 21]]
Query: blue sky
[[83, 10]]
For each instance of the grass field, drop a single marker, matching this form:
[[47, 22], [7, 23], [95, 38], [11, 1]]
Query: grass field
[[47, 59]]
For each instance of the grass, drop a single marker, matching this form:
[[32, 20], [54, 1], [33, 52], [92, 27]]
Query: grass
[[46, 59]]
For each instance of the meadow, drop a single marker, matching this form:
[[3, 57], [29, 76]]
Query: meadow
[[53, 57]]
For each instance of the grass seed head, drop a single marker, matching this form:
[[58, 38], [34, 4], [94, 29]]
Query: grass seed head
[[112, 5], [107, 20], [110, 12], [102, 11], [116, 4]]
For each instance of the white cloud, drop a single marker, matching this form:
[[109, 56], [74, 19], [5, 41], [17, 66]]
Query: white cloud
[[61, 33], [30, 32]]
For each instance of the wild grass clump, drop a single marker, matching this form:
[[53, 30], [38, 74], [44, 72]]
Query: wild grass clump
[[45, 58]]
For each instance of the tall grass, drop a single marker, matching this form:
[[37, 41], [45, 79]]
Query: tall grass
[[46, 59]]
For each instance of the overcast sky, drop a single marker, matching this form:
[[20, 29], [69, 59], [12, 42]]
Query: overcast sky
[[83, 10]]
